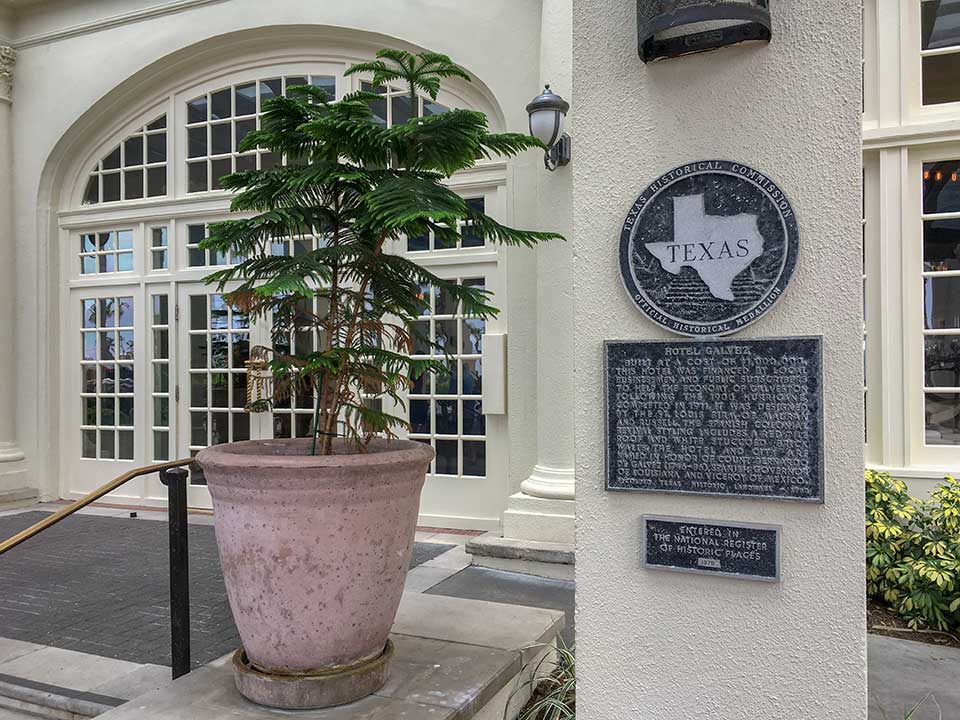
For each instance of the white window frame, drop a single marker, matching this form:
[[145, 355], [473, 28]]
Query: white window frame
[[912, 54], [920, 454]]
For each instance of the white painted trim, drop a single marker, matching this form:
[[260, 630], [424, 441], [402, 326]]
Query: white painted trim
[[916, 473], [888, 137], [110, 21]]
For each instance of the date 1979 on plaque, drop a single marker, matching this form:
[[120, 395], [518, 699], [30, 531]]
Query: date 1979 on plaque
[[708, 547]]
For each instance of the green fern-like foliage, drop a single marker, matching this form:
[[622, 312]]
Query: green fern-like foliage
[[358, 186]]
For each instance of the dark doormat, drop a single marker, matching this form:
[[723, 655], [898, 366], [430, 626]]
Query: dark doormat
[[100, 585]]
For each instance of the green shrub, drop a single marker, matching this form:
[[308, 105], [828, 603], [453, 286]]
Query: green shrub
[[913, 551]]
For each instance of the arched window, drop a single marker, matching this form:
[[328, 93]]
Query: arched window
[[157, 364], [134, 169]]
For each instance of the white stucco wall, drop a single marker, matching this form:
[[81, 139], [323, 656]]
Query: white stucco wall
[[664, 645], [68, 64]]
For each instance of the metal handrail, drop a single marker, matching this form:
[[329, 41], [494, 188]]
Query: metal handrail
[[90, 497], [176, 481]]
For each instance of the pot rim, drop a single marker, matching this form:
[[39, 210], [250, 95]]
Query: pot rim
[[244, 454]]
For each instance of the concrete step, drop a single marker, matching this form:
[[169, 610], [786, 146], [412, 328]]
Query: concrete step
[[18, 498], [544, 559], [455, 659], [39, 699]]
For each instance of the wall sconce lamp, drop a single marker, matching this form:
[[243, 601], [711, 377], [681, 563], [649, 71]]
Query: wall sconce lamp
[[671, 28], [547, 111]]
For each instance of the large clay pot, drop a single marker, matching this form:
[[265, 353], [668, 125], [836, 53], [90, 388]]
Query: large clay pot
[[315, 549]]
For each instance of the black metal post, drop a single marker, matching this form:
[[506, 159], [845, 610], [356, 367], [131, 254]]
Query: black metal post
[[176, 481]]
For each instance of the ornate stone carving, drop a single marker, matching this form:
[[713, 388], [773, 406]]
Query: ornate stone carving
[[8, 56]]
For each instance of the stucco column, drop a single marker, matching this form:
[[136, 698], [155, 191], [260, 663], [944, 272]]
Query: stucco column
[[543, 510], [10, 451]]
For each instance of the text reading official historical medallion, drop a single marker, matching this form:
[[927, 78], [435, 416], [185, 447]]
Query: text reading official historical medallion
[[708, 248]]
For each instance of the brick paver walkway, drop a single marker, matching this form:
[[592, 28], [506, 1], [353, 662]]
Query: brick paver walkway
[[100, 585]]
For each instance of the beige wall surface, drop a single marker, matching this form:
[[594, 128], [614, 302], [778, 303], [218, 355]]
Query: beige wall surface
[[76, 55], [665, 645]]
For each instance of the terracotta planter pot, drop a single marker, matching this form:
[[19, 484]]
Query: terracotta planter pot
[[315, 549]]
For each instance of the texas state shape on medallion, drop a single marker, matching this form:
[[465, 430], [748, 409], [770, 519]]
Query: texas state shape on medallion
[[717, 247]]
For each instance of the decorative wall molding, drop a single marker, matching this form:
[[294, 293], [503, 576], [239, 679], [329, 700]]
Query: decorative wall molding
[[111, 21], [8, 57]]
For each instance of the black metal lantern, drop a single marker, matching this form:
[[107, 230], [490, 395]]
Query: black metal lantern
[[547, 112], [671, 28]]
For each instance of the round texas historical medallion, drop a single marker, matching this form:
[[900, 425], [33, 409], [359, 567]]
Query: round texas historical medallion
[[708, 248]]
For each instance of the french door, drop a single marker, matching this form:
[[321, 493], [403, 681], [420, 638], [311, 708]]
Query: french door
[[213, 347], [160, 371]]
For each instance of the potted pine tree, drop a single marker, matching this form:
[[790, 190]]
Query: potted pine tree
[[315, 534]]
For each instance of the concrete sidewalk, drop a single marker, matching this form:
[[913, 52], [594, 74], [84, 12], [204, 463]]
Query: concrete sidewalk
[[904, 672]]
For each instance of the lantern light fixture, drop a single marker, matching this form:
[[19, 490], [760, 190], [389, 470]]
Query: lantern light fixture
[[671, 28], [547, 112]]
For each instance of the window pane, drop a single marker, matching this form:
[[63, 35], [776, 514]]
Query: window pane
[[112, 161], [447, 457], [161, 451], [241, 427], [160, 315], [197, 142], [940, 24], [89, 313], [446, 417], [125, 311], [446, 383], [941, 245], [133, 185], [942, 413], [197, 110], [106, 444], [244, 128], [400, 106], [157, 148], [133, 151], [197, 176], [941, 187], [161, 378], [89, 438], [420, 416], [941, 79], [111, 187], [472, 377], [158, 124], [245, 97], [942, 361], [156, 181], [159, 259], [198, 428], [219, 169], [198, 390], [433, 108], [445, 336], [92, 194], [327, 83], [474, 422], [421, 242], [472, 336], [220, 139], [269, 89], [220, 105], [161, 351], [475, 458], [941, 302]]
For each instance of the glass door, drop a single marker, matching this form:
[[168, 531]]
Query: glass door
[[214, 342]]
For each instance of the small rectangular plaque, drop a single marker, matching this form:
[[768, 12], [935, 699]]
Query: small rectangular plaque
[[749, 552], [715, 417]]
